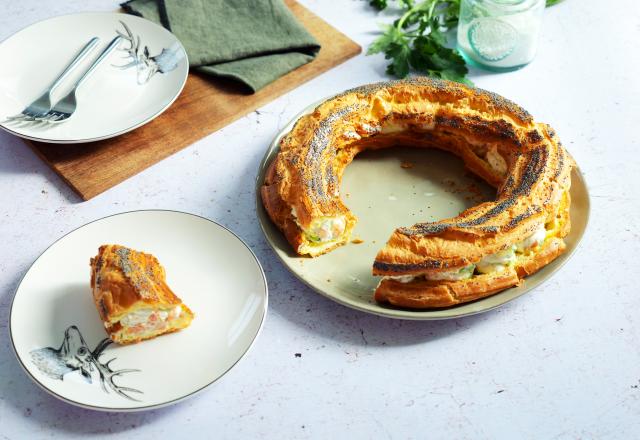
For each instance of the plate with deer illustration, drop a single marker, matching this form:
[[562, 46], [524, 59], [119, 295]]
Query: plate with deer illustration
[[131, 86], [60, 340]]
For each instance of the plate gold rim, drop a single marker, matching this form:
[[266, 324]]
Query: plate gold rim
[[466, 309]]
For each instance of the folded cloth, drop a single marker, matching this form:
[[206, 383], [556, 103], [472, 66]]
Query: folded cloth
[[252, 41]]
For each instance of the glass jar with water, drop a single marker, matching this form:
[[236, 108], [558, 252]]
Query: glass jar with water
[[499, 35]]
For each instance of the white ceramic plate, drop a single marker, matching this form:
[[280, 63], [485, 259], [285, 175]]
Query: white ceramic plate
[[54, 323], [112, 101], [384, 195]]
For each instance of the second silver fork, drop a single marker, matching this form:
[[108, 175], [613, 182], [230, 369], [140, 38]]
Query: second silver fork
[[42, 105], [65, 108]]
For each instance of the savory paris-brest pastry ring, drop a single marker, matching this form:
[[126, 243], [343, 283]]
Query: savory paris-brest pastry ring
[[483, 250]]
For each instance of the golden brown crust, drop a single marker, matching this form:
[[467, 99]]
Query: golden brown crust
[[278, 209], [497, 140], [490, 227], [425, 294], [124, 280], [534, 263]]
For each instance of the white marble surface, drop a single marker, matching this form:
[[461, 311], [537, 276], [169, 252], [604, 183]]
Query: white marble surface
[[562, 362]]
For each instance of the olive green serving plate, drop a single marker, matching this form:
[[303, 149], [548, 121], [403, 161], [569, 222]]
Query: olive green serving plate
[[396, 187]]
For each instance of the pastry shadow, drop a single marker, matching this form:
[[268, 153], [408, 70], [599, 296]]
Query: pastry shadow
[[15, 158], [45, 410], [291, 299], [74, 306]]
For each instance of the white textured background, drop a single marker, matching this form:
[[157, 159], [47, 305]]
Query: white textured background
[[562, 362]]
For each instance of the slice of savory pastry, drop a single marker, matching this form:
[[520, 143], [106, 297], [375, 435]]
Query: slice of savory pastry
[[132, 296]]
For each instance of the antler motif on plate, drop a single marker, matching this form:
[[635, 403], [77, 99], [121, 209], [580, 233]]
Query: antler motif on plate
[[140, 57], [74, 355], [107, 375]]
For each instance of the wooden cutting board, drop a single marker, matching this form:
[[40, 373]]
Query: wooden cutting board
[[205, 105]]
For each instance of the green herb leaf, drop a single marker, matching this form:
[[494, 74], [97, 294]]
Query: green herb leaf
[[399, 54], [391, 35], [395, 46], [378, 4], [418, 39]]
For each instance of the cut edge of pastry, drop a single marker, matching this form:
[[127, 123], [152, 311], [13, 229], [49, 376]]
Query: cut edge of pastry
[[427, 294], [176, 317], [339, 227], [419, 291], [132, 297]]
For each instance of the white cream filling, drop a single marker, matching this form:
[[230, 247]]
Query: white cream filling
[[135, 318], [142, 316], [392, 127], [323, 229], [448, 275], [368, 128], [454, 275], [401, 278], [557, 194], [533, 240], [326, 229], [497, 262], [351, 135], [496, 161]]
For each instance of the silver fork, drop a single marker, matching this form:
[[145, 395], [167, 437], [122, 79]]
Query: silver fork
[[42, 105], [65, 108]]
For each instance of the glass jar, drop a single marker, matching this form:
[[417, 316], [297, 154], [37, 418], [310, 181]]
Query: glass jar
[[499, 35]]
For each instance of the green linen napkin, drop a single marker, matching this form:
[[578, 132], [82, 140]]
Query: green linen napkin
[[252, 41]]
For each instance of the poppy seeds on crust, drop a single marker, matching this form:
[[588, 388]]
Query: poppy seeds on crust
[[320, 186], [560, 166], [533, 137], [317, 146], [133, 271], [392, 267], [530, 176], [454, 89], [460, 116]]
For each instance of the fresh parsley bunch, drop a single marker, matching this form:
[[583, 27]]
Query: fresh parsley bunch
[[417, 40]]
